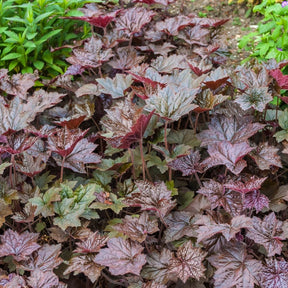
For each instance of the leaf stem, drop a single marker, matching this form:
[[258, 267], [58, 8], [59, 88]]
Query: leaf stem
[[62, 169], [133, 165], [142, 158]]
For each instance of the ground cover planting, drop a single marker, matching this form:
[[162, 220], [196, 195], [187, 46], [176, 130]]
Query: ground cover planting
[[149, 162]]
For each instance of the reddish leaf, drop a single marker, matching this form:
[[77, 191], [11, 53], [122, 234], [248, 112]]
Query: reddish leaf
[[281, 79], [158, 267], [95, 16], [275, 274], [137, 229], [179, 224], [228, 128], [155, 197], [255, 199], [199, 68], [71, 123], [235, 267], [133, 19], [20, 246], [122, 256], [18, 84], [40, 279], [172, 25], [125, 124], [253, 183], [92, 243], [266, 156], [195, 35], [84, 264], [205, 52], [208, 22], [188, 165], [230, 155], [188, 262], [210, 228], [125, 59], [267, 233], [231, 201], [12, 281], [217, 78], [168, 64], [150, 2], [63, 141]]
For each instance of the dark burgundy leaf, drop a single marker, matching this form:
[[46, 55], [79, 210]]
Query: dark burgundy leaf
[[122, 256], [188, 262], [19, 246], [189, 164], [133, 19], [217, 78], [150, 2], [267, 233], [76, 69], [137, 229], [207, 22], [155, 197], [235, 267], [195, 35], [253, 183], [255, 199], [230, 155], [199, 68]]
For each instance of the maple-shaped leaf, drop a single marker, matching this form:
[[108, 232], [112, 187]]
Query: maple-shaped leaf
[[47, 258], [81, 154], [231, 129], [283, 123], [87, 89], [171, 102], [266, 156], [18, 84], [208, 22], [217, 78], [17, 142], [281, 79], [230, 155], [195, 35], [95, 16], [205, 52], [153, 284], [267, 233], [91, 244], [122, 256], [179, 224], [216, 193], [40, 279], [168, 64], [17, 114], [172, 25], [255, 199], [84, 264], [29, 165], [136, 228], [133, 19], [113, 38], [26, 215], [210, 228], [125, 124], [253, 183], [149, 196], [188, 262], [235, 267], [115, 87], [275, 274], [163, 50], [206, 100], [158, 267], [125, 59], [12, 280], [19, 246], [189, 164], [200, 68], [255, 97], [92, 55], [64, 140]]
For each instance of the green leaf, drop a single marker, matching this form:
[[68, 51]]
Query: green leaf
[[3, 166], [186, 137], [27, 70], [283, 119], [56, 68], [116, 205], [40, 226], [171, 186], [47, 36], [11, 56], [43, 180], [31, 36], [42, 16], [38, 64], [2, 29], [13, 64]]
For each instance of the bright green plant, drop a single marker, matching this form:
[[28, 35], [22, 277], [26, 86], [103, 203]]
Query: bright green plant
[[30, 29], [271, 38]]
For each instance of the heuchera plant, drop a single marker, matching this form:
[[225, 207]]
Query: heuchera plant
[[149, 163]]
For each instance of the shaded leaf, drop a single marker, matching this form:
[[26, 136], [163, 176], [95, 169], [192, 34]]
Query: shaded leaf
[[149, 196], [122, 256], [19, 246], [267, 233], [40, 279], [168, 64]]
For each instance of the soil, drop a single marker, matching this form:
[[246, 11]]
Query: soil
[[242, 22]]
